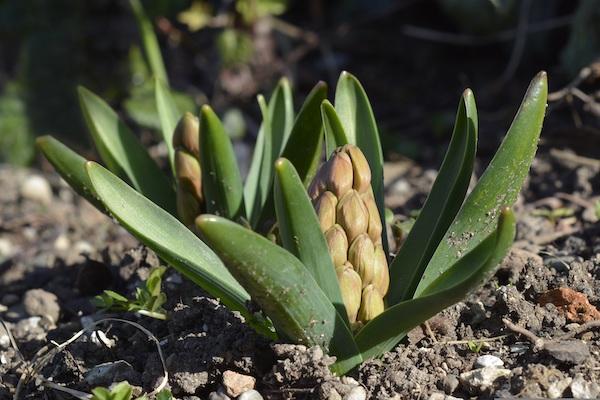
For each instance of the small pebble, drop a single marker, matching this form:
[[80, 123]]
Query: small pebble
[[357, 393], [250, 395], [6, 248], [218, 395], [41, 303], [450, 383], [236, 384], [488, 360], [36, 188], [62, 243], [582, 389], [557, 388], [483, 378]]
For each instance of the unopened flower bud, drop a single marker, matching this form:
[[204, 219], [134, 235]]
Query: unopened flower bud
[[339, 173], [189, 176], [371, 304], [338, 244], [325, 208], [362, 256], [375, 228], [352, 214], [351, 287], [381, 274], [361, 169], [187, 134], [188, 207]]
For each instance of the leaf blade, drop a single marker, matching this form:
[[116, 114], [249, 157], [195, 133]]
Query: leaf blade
[[169, 238], [301, 234], [385, 331], [221, 178], [149, 41], [168, 114], [123, 153], [335, 136], [282, 286], [356, 116], [441, 206], [498, 186]]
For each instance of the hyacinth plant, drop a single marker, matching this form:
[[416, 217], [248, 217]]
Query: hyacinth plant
[[307, 242]]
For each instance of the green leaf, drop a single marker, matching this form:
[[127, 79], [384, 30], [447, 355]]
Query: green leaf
[[334, 131], [149, 41], [258, 182], [283, 288], [441, 206], [168, 114], [281, 116], [170, 239], [301, 234], [386, 330], [498, 187], [123, 153], [278, 119], [221, 179], [356, 116], [71, 166], [304, 146]]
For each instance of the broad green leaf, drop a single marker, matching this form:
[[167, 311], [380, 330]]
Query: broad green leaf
[[498, 187], [168, 115], [149, 42], [356, 116], [170, 239], [334, 131], [71, 166], [441, 206], [301, 234], [385, 331], [304, 145], [123, 153], [303, 148], [221, 179], [260, 174], [282, 286]]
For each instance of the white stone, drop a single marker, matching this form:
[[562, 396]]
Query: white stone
[[83, 247], [483, 378], [357, 393], [62, 243], [581, 389], [488, 360], [36, 188], [250, 395], [441, 396], [556, 389], [6, 248]]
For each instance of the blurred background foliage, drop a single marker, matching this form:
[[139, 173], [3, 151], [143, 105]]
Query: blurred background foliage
[[414, 57]]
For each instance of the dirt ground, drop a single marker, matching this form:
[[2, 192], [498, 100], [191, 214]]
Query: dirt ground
[[57, 252]]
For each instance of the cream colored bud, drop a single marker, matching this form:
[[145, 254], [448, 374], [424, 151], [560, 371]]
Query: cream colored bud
[[189, 175], [188, 207], [360, 166], [339, 173], [326, 209], [317, 186], [352, 215], [362, 256], [381, 273], [350, 286], [187, 134], [338, 244], [371, 304], [375, 228]]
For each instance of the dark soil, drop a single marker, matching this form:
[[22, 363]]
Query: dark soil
[[64, 247]]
